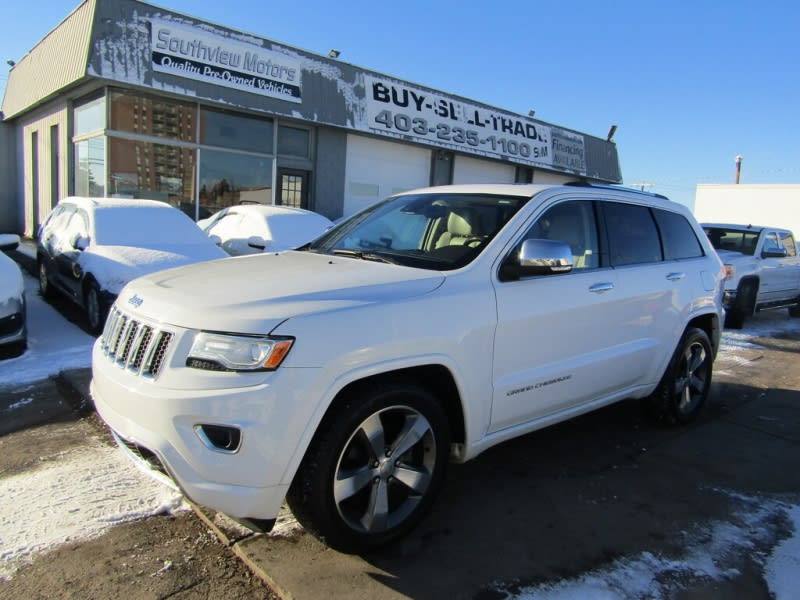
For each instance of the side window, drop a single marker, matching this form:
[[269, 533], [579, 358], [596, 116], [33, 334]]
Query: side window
[[771, 243], [677, 236], [632, 234], [572, 222], [788, 243], [77, 226]]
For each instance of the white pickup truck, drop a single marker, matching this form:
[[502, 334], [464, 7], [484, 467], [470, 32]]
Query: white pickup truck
[[763, 268]]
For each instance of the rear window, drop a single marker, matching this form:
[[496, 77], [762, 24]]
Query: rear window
[[735, 240]]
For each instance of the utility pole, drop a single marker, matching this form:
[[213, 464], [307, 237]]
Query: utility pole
[[643, 185], [739, 159]]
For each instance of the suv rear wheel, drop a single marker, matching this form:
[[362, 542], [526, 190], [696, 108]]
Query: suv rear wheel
[[373, 468], [685, 384]]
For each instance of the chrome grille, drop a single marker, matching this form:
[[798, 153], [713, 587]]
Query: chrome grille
[[134, 345]]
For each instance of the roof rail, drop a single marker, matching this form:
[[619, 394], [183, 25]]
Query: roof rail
[[609, 186]]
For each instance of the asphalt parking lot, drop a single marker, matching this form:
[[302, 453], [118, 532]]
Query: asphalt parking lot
[[604, 493]]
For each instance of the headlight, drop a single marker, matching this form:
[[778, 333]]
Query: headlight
[[221, 352]]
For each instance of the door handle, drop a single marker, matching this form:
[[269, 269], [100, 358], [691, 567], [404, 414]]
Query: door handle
[[676, 276], [599, 288]]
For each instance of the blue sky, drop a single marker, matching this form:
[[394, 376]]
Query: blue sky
[[690, 85]]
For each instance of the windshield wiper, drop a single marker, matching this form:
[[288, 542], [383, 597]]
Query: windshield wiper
[[364, 255]]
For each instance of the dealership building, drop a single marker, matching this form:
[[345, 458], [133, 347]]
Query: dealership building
[[126, 99]]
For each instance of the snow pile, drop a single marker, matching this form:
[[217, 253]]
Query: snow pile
[[54, 344], [76, 497]]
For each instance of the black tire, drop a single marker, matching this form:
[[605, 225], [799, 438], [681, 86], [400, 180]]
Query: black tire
[[45, 287], [384, 486], [684, 387], [95, 307], [744, 305]]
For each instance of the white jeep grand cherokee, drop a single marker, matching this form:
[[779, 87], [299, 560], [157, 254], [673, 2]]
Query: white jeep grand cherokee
[[344, 376]]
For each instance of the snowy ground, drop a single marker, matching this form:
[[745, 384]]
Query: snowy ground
[[92, 488]]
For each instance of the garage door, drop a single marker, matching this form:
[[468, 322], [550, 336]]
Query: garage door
[[476, 170], [376, 169]]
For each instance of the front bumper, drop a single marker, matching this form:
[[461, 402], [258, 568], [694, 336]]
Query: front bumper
[[158, 427]]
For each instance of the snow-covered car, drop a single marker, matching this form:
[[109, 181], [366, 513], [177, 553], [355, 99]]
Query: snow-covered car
[[13, 331], [255, 228], [89, 248]]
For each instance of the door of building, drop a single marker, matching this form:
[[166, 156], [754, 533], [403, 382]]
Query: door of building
[[293, 187]]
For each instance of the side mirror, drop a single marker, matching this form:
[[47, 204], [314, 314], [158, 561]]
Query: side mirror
[[257, 242], [774, 253], [79, 242], [538, 257], [8, 241], [216, 239]]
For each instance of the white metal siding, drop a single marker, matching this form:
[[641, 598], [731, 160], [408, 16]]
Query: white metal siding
[[540, 176], [58, 116], [376, 169], [768, 205], [477, 170], [57, 61]]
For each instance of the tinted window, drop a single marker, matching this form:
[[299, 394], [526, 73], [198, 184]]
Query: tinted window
[[788, 243], [735, 240], [771, 243], [573, 223], [293, 141], [230, 130], [677, 236], [632, 234]]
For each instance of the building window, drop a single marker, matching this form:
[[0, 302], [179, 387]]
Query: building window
[[292, 190], [150, 116], [240, 132], [90, 167], [228, 178], [55, 166], [293, 141], [156, 171], [90, 116]]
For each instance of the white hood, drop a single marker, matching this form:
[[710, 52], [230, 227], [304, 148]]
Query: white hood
[[114, 266], [253, 294]]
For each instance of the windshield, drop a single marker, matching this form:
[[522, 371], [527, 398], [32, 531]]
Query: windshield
[[735, 240], [430, 231]]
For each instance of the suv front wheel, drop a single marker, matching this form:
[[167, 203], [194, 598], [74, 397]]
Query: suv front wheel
[[373, 468], [685, 384]]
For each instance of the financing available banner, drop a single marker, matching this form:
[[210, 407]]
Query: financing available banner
[[194, 53]]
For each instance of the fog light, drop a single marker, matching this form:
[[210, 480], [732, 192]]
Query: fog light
[[219, 438]]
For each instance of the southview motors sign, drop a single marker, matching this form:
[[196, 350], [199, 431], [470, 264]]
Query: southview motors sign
[[189, 52]]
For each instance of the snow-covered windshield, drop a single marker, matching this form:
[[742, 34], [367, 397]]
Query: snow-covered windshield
[[430, 231], [735, 240], [145, 227]]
